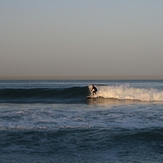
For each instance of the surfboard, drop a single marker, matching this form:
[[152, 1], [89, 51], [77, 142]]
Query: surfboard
[[91, 96]]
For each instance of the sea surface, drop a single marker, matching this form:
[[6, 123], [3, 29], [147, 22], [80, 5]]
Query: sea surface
[[52, 121]]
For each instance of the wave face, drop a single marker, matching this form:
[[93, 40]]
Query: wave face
[[43, 95]]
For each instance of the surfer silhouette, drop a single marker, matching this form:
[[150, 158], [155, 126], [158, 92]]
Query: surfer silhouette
[[93, 90]]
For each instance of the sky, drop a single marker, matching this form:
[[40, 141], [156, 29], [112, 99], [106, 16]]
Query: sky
[[53, 39]]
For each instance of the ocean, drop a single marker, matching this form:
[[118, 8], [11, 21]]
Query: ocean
[[52, 121]]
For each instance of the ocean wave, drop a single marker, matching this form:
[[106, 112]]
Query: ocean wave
[[78, 94]]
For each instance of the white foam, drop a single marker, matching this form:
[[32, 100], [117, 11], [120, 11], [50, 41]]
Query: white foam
[[130, 93]]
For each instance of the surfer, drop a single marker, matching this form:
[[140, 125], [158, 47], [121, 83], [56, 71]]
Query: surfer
[[93, 90]]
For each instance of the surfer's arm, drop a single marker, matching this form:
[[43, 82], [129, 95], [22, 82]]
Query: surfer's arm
[[92, 90]]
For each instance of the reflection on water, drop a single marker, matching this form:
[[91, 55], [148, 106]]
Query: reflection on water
[[109, 101]]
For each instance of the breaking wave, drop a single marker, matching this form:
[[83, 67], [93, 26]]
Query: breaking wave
[[78, 94], [125, 92]]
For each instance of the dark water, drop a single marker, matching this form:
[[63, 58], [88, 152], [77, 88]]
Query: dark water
[[53, 121], [44, 95]]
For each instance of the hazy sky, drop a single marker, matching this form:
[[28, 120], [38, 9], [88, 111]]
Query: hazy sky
[[77, 38]]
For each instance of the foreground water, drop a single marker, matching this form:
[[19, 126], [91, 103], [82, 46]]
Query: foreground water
[[53, 121]]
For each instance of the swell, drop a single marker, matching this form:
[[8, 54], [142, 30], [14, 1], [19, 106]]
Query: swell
[[43, 95]]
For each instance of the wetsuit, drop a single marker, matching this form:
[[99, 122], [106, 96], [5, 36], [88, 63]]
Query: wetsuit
[[94, 90]]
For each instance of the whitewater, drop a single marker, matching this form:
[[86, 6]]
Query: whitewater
[[125, 92], [50, 121]]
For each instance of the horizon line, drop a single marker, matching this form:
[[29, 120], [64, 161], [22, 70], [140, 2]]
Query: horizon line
[[84, 78]]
